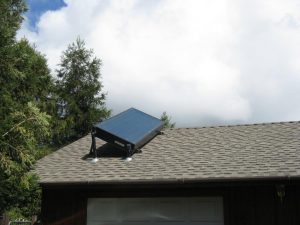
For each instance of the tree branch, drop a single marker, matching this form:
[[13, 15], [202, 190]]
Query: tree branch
[[14, 127], [9, 145]]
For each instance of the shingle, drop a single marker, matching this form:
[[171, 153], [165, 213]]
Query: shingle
[[207, 153]]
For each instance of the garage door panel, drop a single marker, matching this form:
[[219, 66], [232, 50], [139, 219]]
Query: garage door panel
[[155, 211], [137, 223], [206, 209], [125, 209], [103, 210], [206, 223], [153, 223], [150, 209]]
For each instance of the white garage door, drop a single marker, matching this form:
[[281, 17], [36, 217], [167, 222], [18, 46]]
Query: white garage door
[[155, 211]]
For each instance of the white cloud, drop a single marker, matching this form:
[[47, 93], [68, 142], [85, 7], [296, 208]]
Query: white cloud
[[203, 62]]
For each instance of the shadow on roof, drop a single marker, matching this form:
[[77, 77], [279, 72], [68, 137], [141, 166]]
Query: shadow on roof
[[107, 151]]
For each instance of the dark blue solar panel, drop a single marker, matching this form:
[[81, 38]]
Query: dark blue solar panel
[[131, 125]]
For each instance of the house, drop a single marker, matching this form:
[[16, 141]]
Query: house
[[232, 175]]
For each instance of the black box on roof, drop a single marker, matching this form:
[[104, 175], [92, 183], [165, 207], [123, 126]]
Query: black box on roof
[[129, 130]]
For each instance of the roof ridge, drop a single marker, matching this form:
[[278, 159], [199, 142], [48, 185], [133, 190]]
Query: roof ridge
[[234, 125]]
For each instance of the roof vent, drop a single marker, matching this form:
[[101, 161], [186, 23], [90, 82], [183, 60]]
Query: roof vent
[[128, 130]]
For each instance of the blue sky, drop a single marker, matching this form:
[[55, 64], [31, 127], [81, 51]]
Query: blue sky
[[37, 7], [204, 62]]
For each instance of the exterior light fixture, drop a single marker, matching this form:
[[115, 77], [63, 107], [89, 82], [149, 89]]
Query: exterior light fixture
[[280, 190]]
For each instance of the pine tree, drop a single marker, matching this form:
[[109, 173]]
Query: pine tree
[[167, 120], [81, 101]]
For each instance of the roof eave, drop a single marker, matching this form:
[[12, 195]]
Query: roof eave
[[184, 181]]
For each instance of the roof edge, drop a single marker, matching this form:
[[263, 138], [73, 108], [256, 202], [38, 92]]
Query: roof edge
[[173, 181]]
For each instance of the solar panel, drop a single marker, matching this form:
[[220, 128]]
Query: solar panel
[[129, 130]]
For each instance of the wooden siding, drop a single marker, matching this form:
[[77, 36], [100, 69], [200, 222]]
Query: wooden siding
[[63, 207], [244, 204], [261, 205]]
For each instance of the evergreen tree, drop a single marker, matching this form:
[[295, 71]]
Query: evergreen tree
[[18, 144], [10, 20], [167, 120], [25, 84], [81, 101]]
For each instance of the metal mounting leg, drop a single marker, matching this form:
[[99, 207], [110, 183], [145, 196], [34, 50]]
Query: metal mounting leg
[[93, 150], [129, 152]]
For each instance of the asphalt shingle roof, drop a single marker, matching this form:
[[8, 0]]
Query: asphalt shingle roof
[[221, 153]]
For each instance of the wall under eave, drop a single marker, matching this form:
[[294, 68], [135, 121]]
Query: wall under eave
[[245, 203]]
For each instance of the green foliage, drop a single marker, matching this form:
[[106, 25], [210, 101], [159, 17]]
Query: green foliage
[[28, 96], [26, 201], [18, 145], [34, 80], [24, 77], [10, 20], [14, 214], [167, 120], [26, 85], [25, 88], [44, 150], [81, 101]]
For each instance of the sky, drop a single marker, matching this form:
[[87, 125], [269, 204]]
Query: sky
[[205, 63], [36, 8]]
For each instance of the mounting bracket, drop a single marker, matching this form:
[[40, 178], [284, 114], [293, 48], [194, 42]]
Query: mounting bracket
[[93, 149]]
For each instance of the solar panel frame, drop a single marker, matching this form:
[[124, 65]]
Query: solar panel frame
[[127, 142]]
